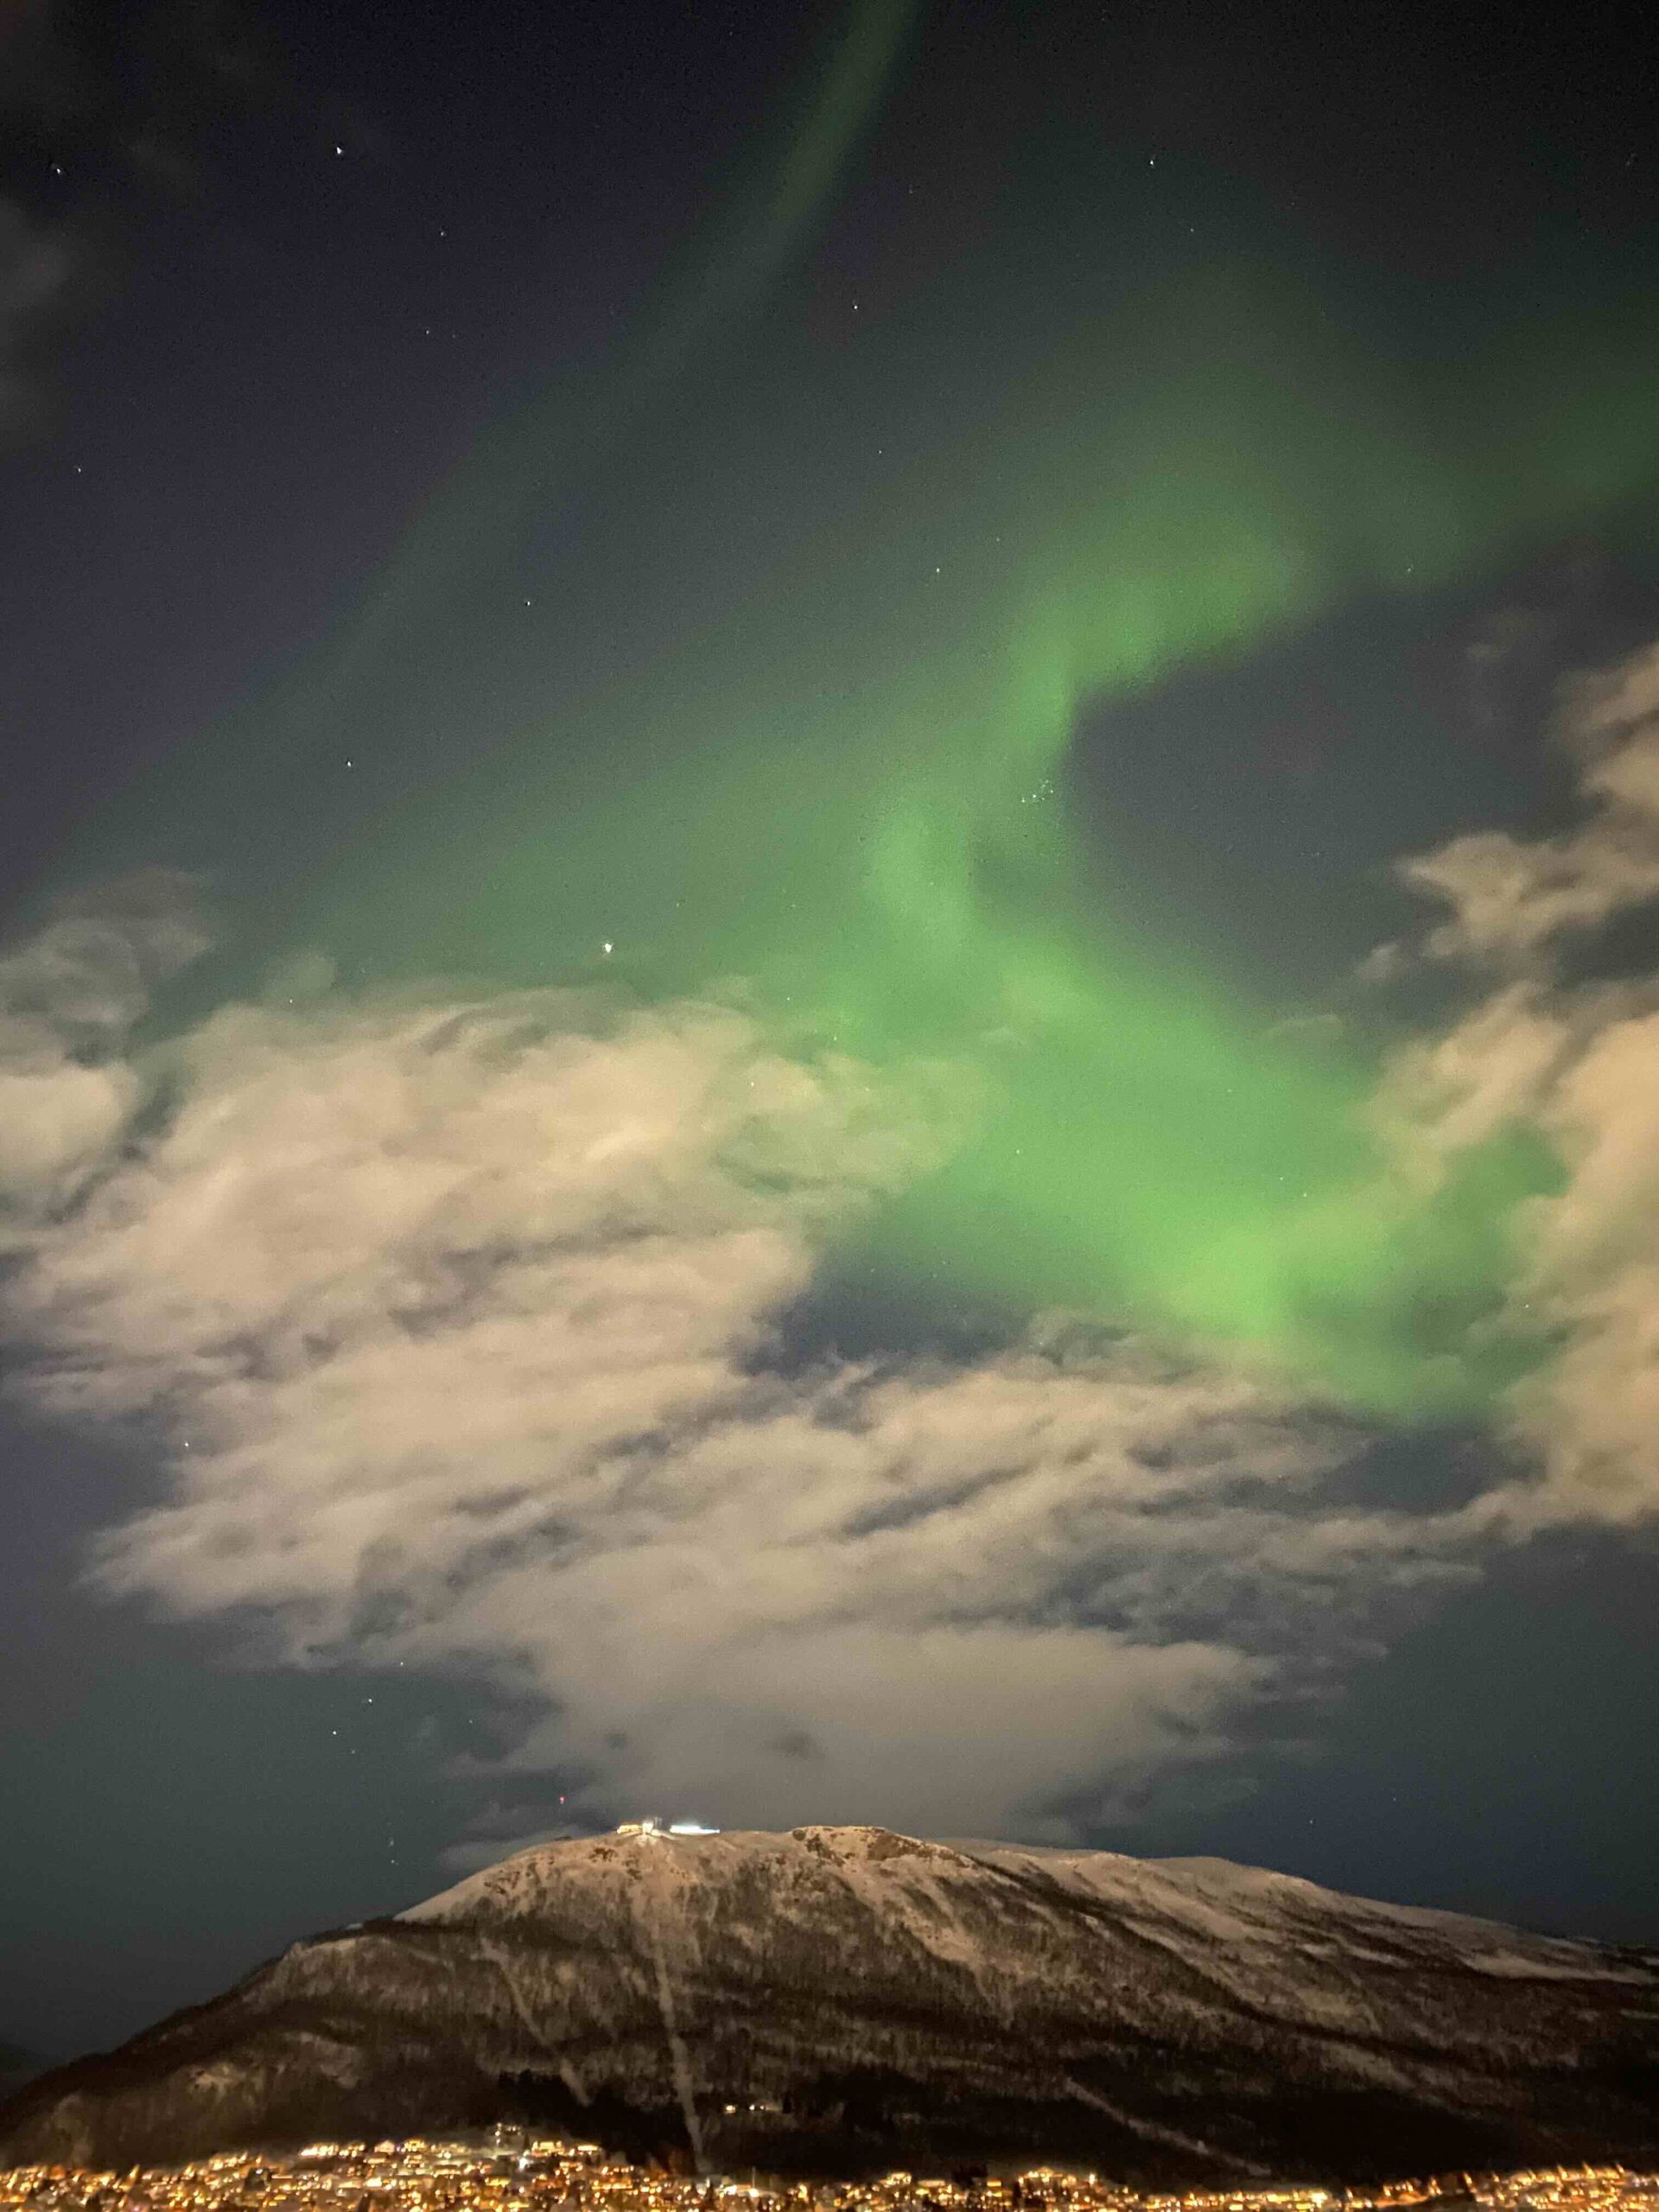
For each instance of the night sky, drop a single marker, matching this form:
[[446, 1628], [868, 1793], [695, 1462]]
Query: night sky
[[830, 991]]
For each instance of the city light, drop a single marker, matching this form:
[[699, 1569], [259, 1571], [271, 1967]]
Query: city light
[[513, 2169]]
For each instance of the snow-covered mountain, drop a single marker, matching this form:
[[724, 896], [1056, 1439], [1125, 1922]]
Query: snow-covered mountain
[[841, 2000]]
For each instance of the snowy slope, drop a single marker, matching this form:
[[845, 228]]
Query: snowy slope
[[859, 1998]]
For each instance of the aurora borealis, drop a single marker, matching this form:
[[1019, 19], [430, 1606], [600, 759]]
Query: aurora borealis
[[844, 790], [654, 1111]]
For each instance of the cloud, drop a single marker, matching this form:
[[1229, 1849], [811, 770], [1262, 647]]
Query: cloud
[[1579, 1064], [1592, 1280], [1510, 898], [69, 1000], [1383, 964], [455, 1323], [458, 1325]]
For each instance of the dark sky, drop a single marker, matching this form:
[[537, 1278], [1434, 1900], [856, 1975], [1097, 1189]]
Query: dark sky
[[331, 337]]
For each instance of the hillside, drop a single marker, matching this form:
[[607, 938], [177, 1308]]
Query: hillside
[[845, 1999]]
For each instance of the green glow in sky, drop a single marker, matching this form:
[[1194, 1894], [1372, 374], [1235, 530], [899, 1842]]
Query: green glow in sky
[[851, 794], [841, 776]]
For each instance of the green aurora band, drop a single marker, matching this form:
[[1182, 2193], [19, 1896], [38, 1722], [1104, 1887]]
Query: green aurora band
[[845, 789]]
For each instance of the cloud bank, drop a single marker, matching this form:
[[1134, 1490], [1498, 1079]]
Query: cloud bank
[[69, 1001], [457, 1324], [1513, 901], [1577, 1061]]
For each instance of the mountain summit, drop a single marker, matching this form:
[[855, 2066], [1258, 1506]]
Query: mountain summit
[[846, 1999]]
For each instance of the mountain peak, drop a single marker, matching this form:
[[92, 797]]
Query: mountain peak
[[872, 1844], [850, 1998]]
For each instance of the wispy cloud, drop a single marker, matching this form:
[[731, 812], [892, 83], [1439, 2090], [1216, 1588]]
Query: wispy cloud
[[1578, 1063], [69, 999], [455, 1321], [456, 1325], [1512, 899]]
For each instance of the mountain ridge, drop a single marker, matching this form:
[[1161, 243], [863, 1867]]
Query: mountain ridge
[[846, 1998]]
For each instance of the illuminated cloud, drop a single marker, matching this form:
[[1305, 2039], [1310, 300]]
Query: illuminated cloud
[[1511, 899], [1579, 1065], [457, 1326], [68, 1001]]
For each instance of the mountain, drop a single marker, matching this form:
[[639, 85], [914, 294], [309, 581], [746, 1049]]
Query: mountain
[[844, 2000]]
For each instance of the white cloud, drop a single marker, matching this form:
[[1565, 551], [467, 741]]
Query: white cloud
[[1591, 1280], [1579, 1065], [456, 1326], [69, 999], [454, 1322], [1491, 1068], [1510, 898]]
